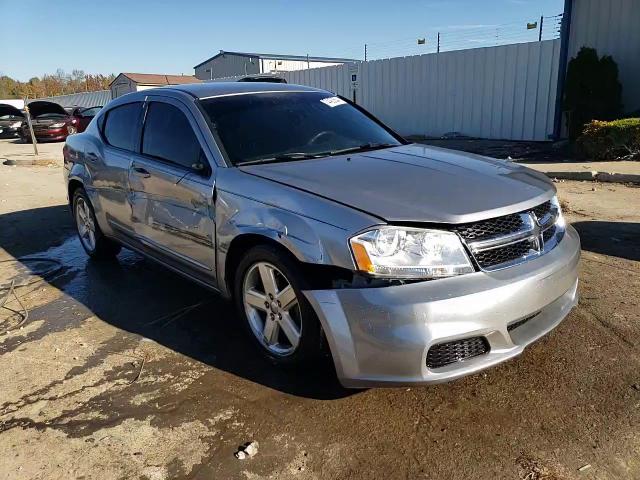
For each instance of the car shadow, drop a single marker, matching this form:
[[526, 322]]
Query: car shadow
[[139, 296], [617, 239]]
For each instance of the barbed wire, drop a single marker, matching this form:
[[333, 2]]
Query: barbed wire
[[448, 39]]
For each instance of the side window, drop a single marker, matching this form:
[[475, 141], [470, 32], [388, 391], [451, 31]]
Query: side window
[[168, 136], [121, 125]]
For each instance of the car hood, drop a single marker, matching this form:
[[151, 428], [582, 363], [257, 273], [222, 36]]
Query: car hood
[[41, 107], [6, 109], [416, 183]]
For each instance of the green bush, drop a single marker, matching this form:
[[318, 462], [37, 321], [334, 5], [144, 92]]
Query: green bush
[[618, 139], [592, 90]]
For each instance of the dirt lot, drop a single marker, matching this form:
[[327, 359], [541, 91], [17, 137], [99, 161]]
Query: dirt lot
[[16, 150], [105, 380]]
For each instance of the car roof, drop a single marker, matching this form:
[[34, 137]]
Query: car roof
[[214, 89]]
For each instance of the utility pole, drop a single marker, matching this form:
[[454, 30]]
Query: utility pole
[[540, 34], [438, 49], [33, 136], [365, 52]]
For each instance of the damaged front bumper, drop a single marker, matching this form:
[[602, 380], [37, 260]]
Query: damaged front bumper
[[381, 336]]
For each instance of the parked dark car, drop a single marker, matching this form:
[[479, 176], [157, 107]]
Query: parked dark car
[[83, 116], [10, 121], [50, 122]]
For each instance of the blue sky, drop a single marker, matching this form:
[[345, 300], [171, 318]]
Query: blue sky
[[159, 36]]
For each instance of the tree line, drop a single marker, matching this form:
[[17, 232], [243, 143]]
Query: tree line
[[49, 85]]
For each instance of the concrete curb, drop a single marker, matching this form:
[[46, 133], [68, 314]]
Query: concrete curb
[[606, 177]]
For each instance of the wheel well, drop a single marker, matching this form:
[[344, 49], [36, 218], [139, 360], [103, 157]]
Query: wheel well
[[318, 275], [73, 186], [239, 246]]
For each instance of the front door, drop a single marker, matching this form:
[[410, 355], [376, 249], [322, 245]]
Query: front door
[[171, 184]]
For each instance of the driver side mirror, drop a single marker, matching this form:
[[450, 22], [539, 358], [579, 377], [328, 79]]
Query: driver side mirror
[[201, 165]]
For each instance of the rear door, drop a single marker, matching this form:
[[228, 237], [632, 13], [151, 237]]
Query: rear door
[[171, 182], [109, 162]]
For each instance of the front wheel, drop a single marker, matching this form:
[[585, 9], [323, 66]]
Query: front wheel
[[278, 317], [91, 237]]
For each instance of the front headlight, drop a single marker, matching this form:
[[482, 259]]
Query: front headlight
[[402, 252], [559, 217], [16, 125], [57, 125]]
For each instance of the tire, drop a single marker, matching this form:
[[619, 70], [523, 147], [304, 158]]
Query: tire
[[286, 270], [92, 239]]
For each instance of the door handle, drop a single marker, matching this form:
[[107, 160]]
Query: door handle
[[141, 172]]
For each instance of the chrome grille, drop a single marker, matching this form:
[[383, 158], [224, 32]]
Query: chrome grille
[[498, 256], [542, 210], [511, 239], [549, 233], [451, 352], [489, 228]]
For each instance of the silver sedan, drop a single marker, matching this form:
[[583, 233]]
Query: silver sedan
[[408, 264]]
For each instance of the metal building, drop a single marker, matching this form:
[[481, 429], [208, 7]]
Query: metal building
[[230, 64], [134, 82]]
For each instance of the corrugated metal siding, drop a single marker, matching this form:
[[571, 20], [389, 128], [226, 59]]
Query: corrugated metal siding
[[231, 65], [85, 99], [504, 92], [612, 27], [228, 65], [274, 66]]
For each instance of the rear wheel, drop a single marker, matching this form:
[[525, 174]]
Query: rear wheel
[[91, 237], [278, 317]]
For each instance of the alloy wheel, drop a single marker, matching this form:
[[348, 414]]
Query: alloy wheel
[[272, 309], [86, 225]]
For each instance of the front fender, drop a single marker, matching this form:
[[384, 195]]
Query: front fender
[[308, 239]]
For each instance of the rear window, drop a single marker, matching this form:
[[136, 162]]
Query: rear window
[[268, 125], [121, 126]]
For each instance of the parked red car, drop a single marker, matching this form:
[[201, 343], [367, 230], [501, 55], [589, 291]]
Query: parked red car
[[50, 122], [83, 116]]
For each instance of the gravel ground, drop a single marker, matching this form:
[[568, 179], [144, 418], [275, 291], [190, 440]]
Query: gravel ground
[[105, 381], [16, 149]]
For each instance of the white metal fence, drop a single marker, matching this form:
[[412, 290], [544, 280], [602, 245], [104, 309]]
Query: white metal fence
[[503, 92]]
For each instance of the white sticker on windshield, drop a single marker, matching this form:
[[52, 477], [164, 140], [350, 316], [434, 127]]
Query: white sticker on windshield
[[333, 101]]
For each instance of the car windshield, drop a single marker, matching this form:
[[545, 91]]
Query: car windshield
[[90, 112], [10, 117], [289, 126]]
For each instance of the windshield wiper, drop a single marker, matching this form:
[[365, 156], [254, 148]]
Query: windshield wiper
[[365, 147], [284, 157], [288, 157]]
